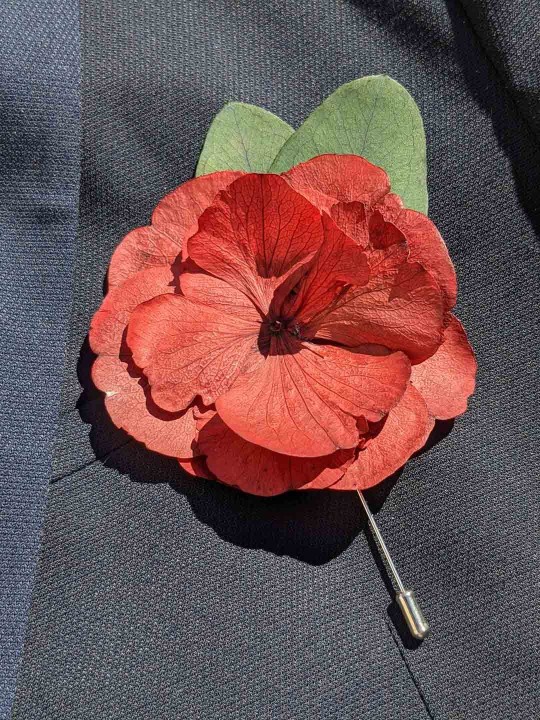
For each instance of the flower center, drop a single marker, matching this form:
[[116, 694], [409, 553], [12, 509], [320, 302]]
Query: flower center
[[276, 326]]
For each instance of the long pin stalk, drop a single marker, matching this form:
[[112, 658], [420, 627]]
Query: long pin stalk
[[406, 599]]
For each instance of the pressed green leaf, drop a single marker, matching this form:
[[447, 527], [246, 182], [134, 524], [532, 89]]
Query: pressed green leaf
[[242, 137], [374, 117]]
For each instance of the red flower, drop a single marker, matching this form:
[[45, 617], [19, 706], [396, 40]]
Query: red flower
[[280, 332]]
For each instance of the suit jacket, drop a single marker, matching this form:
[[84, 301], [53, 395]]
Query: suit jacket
[[158, 596]]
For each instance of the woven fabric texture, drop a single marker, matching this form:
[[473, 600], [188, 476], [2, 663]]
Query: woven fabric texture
[[508, 32], [39, 184], [163, 597]]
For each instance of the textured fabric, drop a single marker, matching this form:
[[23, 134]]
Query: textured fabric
[[39, 173], [165, 597], [508, 32]]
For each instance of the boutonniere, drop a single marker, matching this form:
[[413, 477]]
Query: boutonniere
[[284, 322]]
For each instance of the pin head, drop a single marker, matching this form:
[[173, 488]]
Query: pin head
[[411, 611]]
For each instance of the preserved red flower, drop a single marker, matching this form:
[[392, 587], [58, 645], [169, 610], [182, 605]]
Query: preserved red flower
[[283, 332]]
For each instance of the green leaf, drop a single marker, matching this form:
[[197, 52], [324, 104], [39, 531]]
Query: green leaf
[[242, 137], [374, 117]]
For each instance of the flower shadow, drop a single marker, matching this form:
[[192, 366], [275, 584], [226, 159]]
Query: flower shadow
[[313, 527]]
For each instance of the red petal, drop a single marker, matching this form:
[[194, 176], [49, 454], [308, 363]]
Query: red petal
[[403, 433], [303, 399], [424, 241], [183, 206], [352, 218], [281, 300], [187, 349], [327, 178], [338, 261], [390, 206], [447, 378], [109, 322], [197, 467], [254, 233], [126, 394], [141, 249], [209, 290], [130, 407], [401, 308], [428, 248], [173, 221], [368, 228], [253, 469]]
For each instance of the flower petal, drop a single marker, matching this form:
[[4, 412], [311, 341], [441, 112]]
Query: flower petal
[[254, 233], [254, 469], [303, 399], [447, 378], [390, 206], [353, 219], [327, 178], [197, 467], [339, 261], [209, 290], [183, 207], [367, 227], [427, 247], [110, 321], [389, 223], [173, 221], [141, 249], [402, 433], [131, 408], [401, 308], [187, 349], [127, 398]]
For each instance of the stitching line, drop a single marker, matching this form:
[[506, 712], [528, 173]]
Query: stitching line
[[409, 670]]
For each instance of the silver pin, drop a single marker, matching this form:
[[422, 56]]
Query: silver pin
[[406, 599]]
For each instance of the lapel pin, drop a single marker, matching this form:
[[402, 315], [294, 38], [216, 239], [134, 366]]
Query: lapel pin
[[284, 322], [405, 599]]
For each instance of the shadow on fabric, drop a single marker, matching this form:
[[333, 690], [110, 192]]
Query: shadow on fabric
[[313, 527], [514, 133]]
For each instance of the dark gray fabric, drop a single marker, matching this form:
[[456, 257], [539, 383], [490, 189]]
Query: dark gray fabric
[[165, 597], [508, 32], [39, 186]]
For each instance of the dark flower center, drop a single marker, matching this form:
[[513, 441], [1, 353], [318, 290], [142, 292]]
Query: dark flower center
[[276, 326]]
